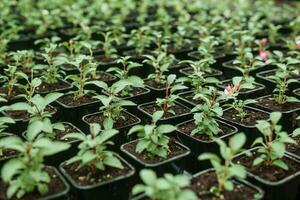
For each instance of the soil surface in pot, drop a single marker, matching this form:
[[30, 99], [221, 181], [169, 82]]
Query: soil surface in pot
[[90, 176], [70, 101], [202, 184], [55, 186], [189, 97], [134, 92], [271, 104], [104, 59], [294, 148], [174, 150], [178, 109], [103, 76], [123, 121], [68, 129], [270, 173], [45, 87], [24, 115], [152, 83], [250, 119], [188, 127], [4, 91]]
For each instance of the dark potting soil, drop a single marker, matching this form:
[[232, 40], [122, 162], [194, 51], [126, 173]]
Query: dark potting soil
[[24, 115], [104, 59], [91, 176], [178, 65], [134, 92], [174, 150], [124, 120], [294, 148], [68, 129], [189, 98], [266, 172], [250, 119], [102, 76], [55, 186], [271, 104], [178, 109], [216, 55], [152, 83], [70, 101], [4, 91], [202, 184], [173, 49], [45, 87], [188, 127]]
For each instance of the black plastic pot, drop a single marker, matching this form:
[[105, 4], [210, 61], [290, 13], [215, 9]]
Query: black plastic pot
[[251, 131], [121, 137], [162, 167], [58, 158], [259, 90], [287, 188], [147, 117], [288, 119], [230, 70], [259, 195], [116, 189], [74, 114]]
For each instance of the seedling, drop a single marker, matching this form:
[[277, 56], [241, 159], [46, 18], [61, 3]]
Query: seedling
[[272, 144], [153, 139], [174, 187], [168, 101], [93, 151], [225, 169]]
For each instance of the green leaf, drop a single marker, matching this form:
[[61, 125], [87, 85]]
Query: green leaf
[[34, 129], [11, 168], [275, 117], [237, 141], [136, 128], [157, 116], [238, 171], [278, 148], [258, 160], [171, 78], [228, 185], [296, 132], [280, 164], [113, 162], [165, 128], [49, 98], [148, 177]]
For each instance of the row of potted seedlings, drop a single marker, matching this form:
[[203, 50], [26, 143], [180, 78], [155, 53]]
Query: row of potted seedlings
[[88, 103]]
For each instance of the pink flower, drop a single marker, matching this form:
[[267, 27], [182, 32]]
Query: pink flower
[[231, 90], [264, 41], [264, 55]]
